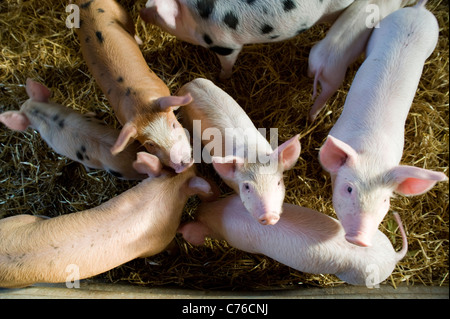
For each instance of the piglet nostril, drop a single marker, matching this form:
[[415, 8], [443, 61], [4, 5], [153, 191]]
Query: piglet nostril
[[269, 220]]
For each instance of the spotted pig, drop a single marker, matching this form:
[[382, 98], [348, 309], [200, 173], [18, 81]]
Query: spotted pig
[[141, 100], [225, 26], [81, 138]]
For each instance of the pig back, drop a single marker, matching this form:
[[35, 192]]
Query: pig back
[[216, 109]]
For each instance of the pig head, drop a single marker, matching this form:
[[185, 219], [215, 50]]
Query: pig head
[[160, 133], [260, 186], [361, 194]]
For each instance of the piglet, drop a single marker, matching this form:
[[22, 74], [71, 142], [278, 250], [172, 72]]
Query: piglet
[[344, 43], [364, 148], [81, 138], [140, 222], [240, 153], [303, 239], [141, 101], [224, 27]]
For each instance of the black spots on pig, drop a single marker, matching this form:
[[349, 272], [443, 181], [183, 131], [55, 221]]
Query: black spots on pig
[[288, 5], [221, 50], [39, 114], [129, 91], [48, 118], [266, 28], [115, 173], [99, 36], [250, 2], [303, 28], [81, 153], [100, 10], [120, 79], [207, 39], [87, 39], [55, 118], [231, 20], [205, 8], [86, 5]]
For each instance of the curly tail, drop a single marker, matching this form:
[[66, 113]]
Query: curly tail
[[401, 253]]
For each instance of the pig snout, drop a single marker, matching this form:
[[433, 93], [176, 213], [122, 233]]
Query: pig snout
[[181, 166], [180, 158], [269, 219], [359, 239], [360, 230]]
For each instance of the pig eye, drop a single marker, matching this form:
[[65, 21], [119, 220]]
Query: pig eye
[[246, 186], [349, 190]]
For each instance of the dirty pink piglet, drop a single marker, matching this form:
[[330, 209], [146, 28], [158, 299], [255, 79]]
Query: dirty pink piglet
[[140, 222]]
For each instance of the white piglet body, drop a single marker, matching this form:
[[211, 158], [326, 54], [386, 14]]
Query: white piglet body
[[225, 26], [344, 43], [81, 138], [240, 153], [364, 147], [302, 239]]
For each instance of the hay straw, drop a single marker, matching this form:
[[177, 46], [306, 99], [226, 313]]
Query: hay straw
[[270, 83]]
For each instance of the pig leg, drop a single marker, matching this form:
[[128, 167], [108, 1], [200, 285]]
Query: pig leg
[[329, 86], [194, 232], [227, 58]]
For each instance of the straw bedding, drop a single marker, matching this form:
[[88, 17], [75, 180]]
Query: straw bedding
[[270, 83]]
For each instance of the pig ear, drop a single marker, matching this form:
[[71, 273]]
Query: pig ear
[[227, 166], [414, 180], [15, 120], [170, 103], [37, 91], [127, 134], [194, 232], [168, 11], [334, 154], [199, 186], [147, 163], [288, 152]]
